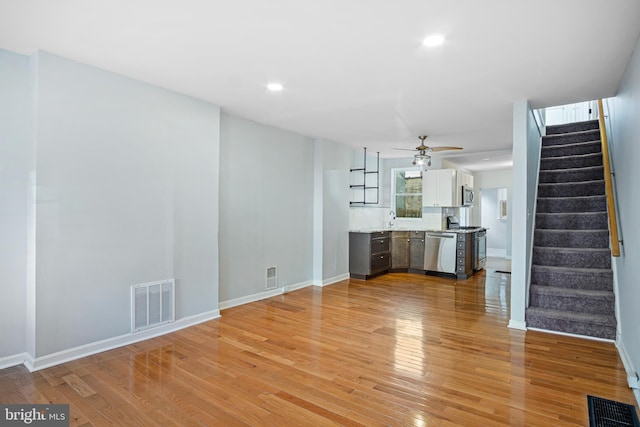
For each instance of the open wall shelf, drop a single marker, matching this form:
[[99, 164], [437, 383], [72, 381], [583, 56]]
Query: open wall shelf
[[367, 189]]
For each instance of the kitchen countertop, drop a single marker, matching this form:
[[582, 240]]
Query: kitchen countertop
[[381, 229]]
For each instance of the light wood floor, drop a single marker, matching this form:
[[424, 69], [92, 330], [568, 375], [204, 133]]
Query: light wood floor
[[401, 349], [500, 264]]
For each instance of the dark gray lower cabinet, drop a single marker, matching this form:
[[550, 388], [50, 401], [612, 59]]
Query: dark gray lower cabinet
[[369, 254], [464, 255], [416, 251], [400, 250]]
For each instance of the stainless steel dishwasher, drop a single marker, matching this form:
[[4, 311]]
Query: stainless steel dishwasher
[[440, 252]]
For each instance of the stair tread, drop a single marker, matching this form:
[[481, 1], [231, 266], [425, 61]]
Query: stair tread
[[575, 316], [576, 132], [590, 122], [572, 169], [569, 182], [591, 181], [571, 213], [573, 197], [563, 248], [572, 156], [570, 137], [560, 291], [571, 144], [575, 270], [570, 230]]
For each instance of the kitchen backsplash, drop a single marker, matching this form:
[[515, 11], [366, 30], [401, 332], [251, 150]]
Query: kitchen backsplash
[[378, 217], [367, 217]]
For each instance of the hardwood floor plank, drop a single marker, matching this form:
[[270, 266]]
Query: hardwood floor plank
[[81, 387]]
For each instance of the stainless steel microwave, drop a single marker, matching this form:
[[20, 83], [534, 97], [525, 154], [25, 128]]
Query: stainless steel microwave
[[467, 196]]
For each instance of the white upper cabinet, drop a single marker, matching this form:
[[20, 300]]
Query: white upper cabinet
[[464, 180], [439, 188]]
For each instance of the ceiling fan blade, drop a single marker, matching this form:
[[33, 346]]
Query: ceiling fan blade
[[444, 148], [405, 149]]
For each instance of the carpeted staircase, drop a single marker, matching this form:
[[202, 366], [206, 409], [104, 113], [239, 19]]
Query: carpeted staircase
[[571, 277]]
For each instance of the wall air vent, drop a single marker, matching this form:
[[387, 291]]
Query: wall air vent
[[272, 278], [152, 304]]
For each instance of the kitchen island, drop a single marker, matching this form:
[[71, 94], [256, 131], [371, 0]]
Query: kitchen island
[[450, 253]]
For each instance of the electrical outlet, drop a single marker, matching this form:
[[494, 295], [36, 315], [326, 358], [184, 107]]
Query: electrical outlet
[[633, 381]]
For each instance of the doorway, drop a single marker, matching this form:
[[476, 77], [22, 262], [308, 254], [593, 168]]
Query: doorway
[[495, 216]]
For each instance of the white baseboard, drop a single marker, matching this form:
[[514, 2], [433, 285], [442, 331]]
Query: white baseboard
[[624, 356], [517, 324], [498, 253], [222, 305], [29, 362], [249, 298], [331, 280], [567, 334], [628, 365], [294, 287], [115, 342], [13, 360]]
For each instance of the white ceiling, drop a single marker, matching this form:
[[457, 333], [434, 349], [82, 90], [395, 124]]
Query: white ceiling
[[354, 71]]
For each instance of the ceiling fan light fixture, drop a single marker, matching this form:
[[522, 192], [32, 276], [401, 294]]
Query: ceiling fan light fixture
[[421, 160]]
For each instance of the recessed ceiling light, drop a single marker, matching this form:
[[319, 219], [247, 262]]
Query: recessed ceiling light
[[434, 40], [486, 158], [275, 87]]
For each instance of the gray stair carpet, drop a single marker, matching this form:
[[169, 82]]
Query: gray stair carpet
[[571, 278]]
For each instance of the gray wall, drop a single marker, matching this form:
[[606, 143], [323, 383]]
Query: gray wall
[[14, 181], [526, 158], [266, 207], [625, 113], [126, 184]]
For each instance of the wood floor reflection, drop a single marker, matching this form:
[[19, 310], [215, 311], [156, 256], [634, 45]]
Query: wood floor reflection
[[401, 349]]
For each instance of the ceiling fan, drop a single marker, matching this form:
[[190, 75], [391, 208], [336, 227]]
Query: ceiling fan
[[421, 157]]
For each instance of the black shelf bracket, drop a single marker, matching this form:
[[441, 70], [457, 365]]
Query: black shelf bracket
[[364, 186]]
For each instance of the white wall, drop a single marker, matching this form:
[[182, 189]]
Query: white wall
[[526, 158], [496, 179], [126, 192], [625, 111], [266, 207], [331, 213], [14, 181]]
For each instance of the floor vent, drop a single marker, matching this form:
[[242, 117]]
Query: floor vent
[[609, 413], [272, 278], [152, 304]]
